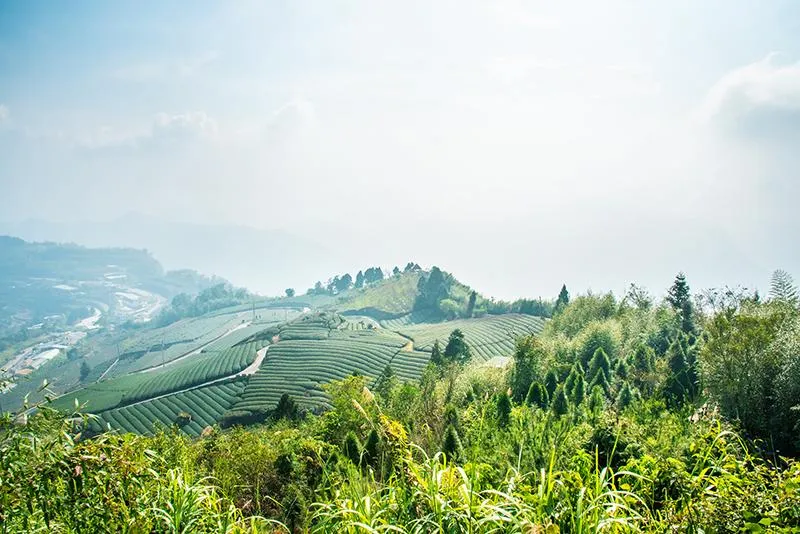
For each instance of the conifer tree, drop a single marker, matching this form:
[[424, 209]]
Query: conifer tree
[[471, 304], [436, 354], [352, 448], [451, 446], [372, 448], [537, 396], [677, 387], [598, 363], [597, 399], [560, 404], [451, 417], [551, 383], [578, 391], [562, 300], [625, 397], [503, 407], [457, 349]]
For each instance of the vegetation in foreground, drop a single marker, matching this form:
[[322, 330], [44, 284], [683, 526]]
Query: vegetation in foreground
[[622, 415]]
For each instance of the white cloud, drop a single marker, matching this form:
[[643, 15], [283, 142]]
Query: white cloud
[[761, 99], [3, 113], [184, 125]]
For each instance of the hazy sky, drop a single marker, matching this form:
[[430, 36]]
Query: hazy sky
[[518, 144]]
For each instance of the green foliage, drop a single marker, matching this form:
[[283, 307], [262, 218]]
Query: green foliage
[[782, 288], [626, 396], [678, 387], [530, 359], [503, 409], [85, 370], [680, 298], [451, 445], [372, 448], [286, 408], [563, 299], [595, 337], [582, 311], [457, 349], [352, 448], [551, 383], [560, 405], [537, 396], [437, 358]]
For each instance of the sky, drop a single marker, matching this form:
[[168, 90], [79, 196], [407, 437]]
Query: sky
[[519, 145]]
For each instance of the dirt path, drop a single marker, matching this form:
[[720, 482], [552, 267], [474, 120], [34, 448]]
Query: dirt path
[[247, 371]]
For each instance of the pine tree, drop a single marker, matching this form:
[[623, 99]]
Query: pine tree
[[569, 383], [385, 383], [551, 383], [537, 396], [562, 300], [560, 402], [597, 399], [359, 280], [677, 385], [782, 288], [457, 349], [503, 407], [601, 380], [436, 354], [286, 408], [85, 370], [372, 448], [578, 391], [599, 362], [352, 448], [625, 397], [451, 446], [471, 304], [451, 417], [621, 372], [679, 297]]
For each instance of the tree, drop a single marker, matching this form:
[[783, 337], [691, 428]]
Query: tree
[[436, 354], [372, 452], [597, 399], [503, 409], [451, 445], [529, 359], [680, 298], [451, 417], [562, 301], [73, 354], [385, 383], [431, 290], [396, 271], [677, 387], [409, 267], [599, 364], [537, 396], [344, 283], [560, 404], [625, 397], [286, 409], [289, 292], [551, 383], [85, 370], [782, 288], [359, 283], [594, 337], [457, 349], [352, 448], [471, 304], [578, 391]]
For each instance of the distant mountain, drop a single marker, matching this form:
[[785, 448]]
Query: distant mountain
[[261, 260], [41, 281]]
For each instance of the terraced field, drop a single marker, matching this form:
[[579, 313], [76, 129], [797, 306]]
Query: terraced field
[[137, 387], [301, 366], [205, 406], [487, 336]]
